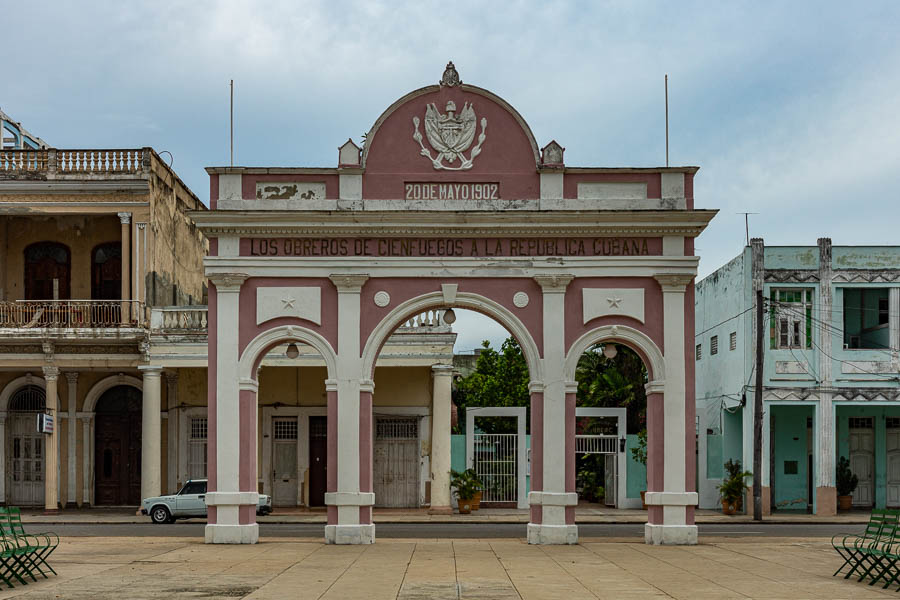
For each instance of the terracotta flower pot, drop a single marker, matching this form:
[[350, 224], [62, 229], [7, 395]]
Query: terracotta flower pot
[[465, 506], [728, 508], [476, 500], [845, 502], [643, 504]]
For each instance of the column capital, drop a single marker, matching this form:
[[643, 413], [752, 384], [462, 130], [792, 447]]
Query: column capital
[[51, 373], [331, 385], [349, 283], [72, 377], [655, 387], [441, 370], [150, 370], [228, 282], [555, 283], [124, 218], [367, 385], [536, 387], [673, 282]]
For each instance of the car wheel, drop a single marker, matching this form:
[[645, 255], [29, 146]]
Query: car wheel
[[160, 515]]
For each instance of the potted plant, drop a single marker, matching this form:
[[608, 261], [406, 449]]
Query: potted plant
[[846, 484], [639, 454], [733, 488], [466, 486], [733, 470], [479, 489]]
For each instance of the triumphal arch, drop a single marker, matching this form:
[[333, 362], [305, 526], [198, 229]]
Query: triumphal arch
[[450, 203]]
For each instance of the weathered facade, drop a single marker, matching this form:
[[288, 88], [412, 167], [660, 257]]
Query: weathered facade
[[831, 370]]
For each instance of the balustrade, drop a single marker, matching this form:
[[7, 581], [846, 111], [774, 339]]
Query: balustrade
[[428, 319], [180, 318], [70, 314], [63, 162]]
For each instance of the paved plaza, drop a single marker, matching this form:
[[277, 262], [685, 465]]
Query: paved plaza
[[142, 568]]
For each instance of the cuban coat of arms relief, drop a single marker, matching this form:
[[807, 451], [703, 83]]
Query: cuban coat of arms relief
[[450, 135]]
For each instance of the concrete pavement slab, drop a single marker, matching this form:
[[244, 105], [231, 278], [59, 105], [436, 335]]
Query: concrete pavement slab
[[96, 568]]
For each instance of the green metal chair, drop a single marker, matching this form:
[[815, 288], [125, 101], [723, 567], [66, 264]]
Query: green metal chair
[[38, 546]]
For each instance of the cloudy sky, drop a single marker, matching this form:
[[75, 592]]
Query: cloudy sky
[[789, 108]]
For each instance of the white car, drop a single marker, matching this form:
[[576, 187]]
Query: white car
[[189, 502]]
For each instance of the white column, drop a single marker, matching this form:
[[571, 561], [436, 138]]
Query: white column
[[348, 498], [72, 386], [674, 498], [87, 452], [227, 497], [440, 438], [125, 220], [51, 451], [172, 425], [151, 423], [553, 498]]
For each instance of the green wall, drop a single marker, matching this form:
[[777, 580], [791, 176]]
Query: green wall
[[843, 441], [636, 473]]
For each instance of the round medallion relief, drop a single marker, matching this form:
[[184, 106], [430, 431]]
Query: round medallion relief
[[382, 299], [520, 299]]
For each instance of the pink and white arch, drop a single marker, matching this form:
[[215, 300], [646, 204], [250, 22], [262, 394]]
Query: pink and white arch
[[562, 257]]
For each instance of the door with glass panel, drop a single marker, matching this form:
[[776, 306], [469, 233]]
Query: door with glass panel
[[284, 461], [25, 448], [862, 459]]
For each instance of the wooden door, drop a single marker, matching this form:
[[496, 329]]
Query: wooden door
[[44, 263], [117, 445], [318, 460], [284, 461], [106, 272], [396, 462], [893, 466], [26, 460], [862, 462]]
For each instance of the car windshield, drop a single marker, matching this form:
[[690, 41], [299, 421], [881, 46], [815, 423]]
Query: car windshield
[[193, 487]]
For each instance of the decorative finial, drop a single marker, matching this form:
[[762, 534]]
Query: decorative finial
[[451, 77]]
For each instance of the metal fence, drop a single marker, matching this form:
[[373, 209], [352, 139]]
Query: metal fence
[[495, 460], [28, 314], [596, 444]]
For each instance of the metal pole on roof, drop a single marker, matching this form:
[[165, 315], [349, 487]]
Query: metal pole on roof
[[667, 119], [231, 118]]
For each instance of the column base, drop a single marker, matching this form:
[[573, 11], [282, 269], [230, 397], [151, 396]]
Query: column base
[[670, 535], [552, 534], [440, 510], [350, 534], [826, 501], [232, 534]]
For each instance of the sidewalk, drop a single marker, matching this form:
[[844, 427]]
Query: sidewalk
[[157, 568], [583, 514]]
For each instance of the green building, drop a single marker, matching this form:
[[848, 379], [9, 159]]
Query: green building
[[831, 373]]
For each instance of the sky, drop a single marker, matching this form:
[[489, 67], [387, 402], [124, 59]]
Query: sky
[[790, 109]]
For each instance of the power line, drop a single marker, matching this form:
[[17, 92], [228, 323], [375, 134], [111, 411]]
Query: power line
[[725, 321]]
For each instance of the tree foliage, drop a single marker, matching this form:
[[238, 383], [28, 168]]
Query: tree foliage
[[500, 379], [614, 382]]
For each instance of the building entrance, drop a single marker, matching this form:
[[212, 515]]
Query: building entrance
[[117, 447]]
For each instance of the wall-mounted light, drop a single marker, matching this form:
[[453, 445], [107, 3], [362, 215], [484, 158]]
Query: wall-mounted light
[[609, 351], [449, 316], [292, 351]]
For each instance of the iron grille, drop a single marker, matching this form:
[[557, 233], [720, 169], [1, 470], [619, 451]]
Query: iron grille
[[30, 398], [199, 428], [397, 429], [893, 422], [495, 462], [285, 429]]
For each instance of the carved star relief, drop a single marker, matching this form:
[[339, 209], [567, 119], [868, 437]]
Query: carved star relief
[[288, 302], [614, 302]]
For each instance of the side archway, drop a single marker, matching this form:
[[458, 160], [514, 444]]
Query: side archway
[[262, 343], [468, 300], [634, 339]]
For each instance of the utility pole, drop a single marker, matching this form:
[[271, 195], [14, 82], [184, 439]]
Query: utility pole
[[231, 121], [758, 412]]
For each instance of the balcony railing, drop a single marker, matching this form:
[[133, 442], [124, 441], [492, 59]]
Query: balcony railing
[[430, 319], [71, 314], [60, 164], [186, 319]]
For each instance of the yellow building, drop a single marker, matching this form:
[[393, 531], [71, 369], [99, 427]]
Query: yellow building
[[103, 326]]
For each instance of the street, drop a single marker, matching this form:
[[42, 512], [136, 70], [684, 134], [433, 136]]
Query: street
[[449, 530]]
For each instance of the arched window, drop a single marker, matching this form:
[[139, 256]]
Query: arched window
[[46, 263], [106, 271]]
